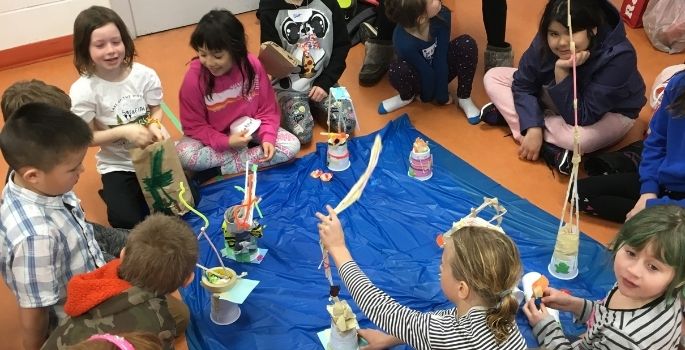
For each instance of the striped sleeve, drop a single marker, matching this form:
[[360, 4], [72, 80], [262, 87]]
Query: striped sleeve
[[549, 335], [408, 325]]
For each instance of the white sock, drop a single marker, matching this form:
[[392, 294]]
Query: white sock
[[472, 112], [392, 104]]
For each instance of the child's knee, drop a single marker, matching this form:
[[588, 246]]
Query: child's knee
[[466, 43]]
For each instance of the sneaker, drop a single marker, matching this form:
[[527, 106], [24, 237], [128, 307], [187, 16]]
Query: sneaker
[[491, 116], [557, 157], [377, 57]]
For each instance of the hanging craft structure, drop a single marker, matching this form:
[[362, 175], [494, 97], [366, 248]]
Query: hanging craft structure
[[564, 262], [240, 228], [344, 323], [472, 219]]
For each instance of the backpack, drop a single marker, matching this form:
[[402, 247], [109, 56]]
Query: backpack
[[356, 13]]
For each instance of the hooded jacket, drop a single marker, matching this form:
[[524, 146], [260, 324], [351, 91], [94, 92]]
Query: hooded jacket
[[607, 82], [290, 26], [101, 302]]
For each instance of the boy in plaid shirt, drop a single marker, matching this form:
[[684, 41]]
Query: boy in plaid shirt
[[44, 238]]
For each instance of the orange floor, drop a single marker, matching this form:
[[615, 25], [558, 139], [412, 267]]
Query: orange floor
[[484, 147]]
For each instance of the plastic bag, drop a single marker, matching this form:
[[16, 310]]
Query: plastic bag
[[660, 83], [664, 22]]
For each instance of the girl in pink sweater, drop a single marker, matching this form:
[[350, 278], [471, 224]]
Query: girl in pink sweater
[[222, 86]]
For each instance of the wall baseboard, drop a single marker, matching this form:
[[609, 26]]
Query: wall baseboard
[[36, 52]]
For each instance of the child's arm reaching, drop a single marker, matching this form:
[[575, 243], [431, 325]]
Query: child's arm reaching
[[408, 325]]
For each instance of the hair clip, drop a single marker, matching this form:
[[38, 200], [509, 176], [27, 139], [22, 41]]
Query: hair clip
[[120, 342]]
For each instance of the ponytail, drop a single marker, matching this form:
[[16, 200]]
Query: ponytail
[[501, 318]]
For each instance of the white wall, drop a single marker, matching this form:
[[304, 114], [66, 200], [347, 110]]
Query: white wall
[[27, 21]]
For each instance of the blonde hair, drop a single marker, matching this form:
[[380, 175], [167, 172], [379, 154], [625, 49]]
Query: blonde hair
[[489, 263]]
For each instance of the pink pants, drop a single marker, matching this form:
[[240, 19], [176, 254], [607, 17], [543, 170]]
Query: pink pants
[[606, 132]]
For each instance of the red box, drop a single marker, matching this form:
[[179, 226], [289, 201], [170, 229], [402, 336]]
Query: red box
[[632, 11]]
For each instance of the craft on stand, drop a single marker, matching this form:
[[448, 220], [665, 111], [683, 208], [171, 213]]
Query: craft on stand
[[337, 155], [564, 261], [240, 228], [344, 326], [472, 219], [216, 280], [420, 161], [341, 340]]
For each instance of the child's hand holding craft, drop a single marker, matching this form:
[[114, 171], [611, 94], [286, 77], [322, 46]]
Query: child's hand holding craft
[[559, 300], [377, 340], [330, 230], [136, 134], [241, 140], [534, 314]]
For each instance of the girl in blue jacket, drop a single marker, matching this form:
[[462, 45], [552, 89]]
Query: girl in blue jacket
[[661, 177], [536, 101]]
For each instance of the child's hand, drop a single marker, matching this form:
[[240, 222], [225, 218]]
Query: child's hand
[[562, 301], [317, 94], [241, 140], [268, 149], [530, 145], [641, 204], [137, 134], [534, 314], [581, 57], [377, 340], [330, 230], [159, 133]]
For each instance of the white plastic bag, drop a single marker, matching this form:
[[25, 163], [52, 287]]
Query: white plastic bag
[[660, 83], [664, 22]]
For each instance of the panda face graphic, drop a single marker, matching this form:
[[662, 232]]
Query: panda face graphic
[[302, 23]]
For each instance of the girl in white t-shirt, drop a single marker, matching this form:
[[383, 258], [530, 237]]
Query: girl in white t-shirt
[[120, 100]]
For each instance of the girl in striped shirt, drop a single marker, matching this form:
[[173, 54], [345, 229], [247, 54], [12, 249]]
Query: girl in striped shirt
[[479, 268], [643, 309]]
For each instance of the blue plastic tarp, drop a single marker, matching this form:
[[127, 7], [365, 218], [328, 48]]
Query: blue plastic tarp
[[390, 231]]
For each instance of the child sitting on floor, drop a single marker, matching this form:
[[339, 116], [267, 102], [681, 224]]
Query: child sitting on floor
[[44, 238], [480, 266], [223, 85], [127, 294], [120, 100], [643, 309], [314, 33], [428, 60], [536, 101]]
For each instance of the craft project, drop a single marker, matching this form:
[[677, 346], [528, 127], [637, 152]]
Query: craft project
[[420, 161], [344, 339], [343, 326], [564, 262], [337, 156], [534, 285], [245, 124], [472, 219], [277, 62], [240, 229], [216, 280], [340, 106]]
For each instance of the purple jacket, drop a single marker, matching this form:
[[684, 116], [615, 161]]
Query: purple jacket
[[607, 82]]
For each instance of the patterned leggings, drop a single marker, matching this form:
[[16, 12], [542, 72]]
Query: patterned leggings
[[462, 58], [195, 156], [298, 114]]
